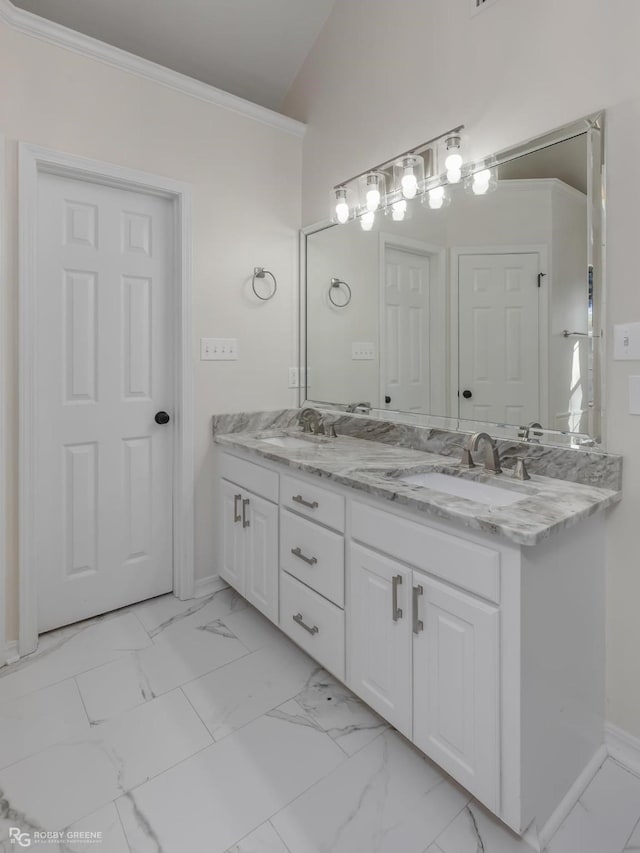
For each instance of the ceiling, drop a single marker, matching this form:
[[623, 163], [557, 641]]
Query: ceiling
[[566, 161], [251, 48]]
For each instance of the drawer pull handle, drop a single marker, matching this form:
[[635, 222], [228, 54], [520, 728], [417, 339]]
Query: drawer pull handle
[[298, 618], [245, 520], [300, 500], [396, 611], [236, 513], [310, 561], [418, 624]]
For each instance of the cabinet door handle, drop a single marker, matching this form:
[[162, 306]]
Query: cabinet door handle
[[236, 512], [245, 520], [310, 561], [396, 612], [298, 618], [418, 624], [300, 500]]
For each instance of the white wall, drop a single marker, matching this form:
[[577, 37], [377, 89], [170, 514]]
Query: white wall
[[246, 211], [380, 79]]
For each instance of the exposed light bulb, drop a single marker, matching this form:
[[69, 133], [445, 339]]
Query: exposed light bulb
[[436, 198], [342, 212], [373, 193], [373, 200], [453, 160], [409, 181], [342, 208], [398, 210], [481, 181], [367, 219]]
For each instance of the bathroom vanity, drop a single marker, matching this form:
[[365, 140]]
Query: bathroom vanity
[[466, 608]]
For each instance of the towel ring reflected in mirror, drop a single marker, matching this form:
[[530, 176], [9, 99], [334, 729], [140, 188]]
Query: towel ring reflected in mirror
[[336, 284], [261, 272]]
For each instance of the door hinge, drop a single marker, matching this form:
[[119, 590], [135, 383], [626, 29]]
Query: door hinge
[[541, 275]]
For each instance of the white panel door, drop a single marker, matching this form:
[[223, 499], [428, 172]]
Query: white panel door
[[455, 686], [104, 360], [379, 651], [261, 554], [405, 331], [498, 337], [232, 568]]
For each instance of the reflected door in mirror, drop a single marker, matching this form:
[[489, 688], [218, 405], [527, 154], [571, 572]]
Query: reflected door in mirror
[[404, 352], [499, 369]]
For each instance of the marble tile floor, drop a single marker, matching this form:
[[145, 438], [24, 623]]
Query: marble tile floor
[[197, 727]]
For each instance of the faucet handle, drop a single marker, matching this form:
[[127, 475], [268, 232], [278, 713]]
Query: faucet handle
[[520, 469]]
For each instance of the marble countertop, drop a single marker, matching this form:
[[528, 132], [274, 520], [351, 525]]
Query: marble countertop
[[548, 504]]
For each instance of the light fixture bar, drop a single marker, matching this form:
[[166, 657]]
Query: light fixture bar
[[389, 163]]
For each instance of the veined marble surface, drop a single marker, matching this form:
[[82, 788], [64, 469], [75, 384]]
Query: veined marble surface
[[576, 465], [257, 750], [547, 505]]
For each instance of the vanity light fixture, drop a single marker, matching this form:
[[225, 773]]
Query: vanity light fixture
[[340, 200], [453, 160], [391, 184]]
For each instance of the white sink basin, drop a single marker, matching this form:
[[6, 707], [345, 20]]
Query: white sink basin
[[286, 441], [483, 493]]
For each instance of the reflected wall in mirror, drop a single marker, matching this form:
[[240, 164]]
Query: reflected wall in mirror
[[483, 309]]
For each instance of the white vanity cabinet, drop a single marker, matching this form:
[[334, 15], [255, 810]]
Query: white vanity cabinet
[[423, 653], [380, 638], [487, 655], [249, 533]]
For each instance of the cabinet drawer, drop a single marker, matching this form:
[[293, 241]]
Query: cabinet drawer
[[313, 623], [261, 481], [458, 561], [313, 554], [313, 501]]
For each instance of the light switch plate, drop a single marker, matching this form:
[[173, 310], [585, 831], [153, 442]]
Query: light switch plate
[[363, 351], [626, 342], [294, 378], [634, 395], [218, 349]]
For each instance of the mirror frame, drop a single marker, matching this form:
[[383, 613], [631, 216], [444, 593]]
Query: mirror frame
[[594, 127]]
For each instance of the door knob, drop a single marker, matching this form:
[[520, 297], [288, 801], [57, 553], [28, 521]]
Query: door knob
[[162, 418], [467, 395]]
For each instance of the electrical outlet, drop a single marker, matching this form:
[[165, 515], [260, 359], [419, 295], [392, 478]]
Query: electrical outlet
[[363, 351], [294, 379], [218, 349]]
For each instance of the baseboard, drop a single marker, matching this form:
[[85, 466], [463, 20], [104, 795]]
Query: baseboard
[[623, 747], [207, 586], [11, 654], [539, 839]]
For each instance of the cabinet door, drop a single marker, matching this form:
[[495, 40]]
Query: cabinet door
[[232, 539], [379, 650], [456, 678], [261, 554]]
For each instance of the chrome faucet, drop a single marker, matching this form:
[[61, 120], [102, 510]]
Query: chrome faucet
[[524, 432], [360, 408], [311, 421], [491, 454]]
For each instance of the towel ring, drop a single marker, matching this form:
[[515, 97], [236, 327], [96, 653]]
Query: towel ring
[[261, 272], [337, 283]]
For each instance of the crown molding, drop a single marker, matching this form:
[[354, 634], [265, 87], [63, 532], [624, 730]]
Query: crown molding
[[53, 33]]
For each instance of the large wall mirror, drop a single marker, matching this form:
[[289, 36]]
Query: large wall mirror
[[487, 309]]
